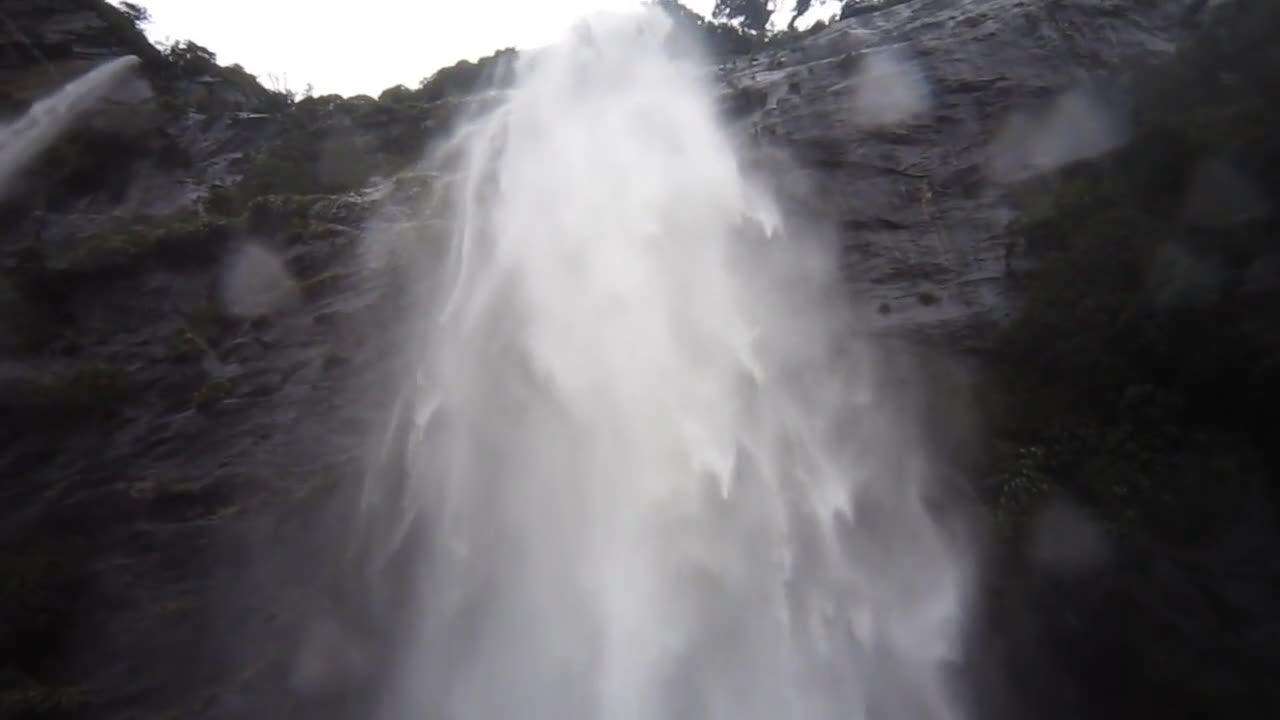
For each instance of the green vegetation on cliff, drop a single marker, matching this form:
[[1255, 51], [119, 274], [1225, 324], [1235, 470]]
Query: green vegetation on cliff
[[1143, 374], [1153, 314]]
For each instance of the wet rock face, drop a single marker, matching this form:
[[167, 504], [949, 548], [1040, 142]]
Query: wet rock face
[[189, 361], [909, 121], [38, 32], [906, 124], [157, 356]]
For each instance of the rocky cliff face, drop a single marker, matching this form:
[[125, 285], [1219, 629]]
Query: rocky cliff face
[[39, 32], [911, 122], [188, 305]]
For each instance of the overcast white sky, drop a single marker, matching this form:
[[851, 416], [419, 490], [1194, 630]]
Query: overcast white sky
[[366, 46]]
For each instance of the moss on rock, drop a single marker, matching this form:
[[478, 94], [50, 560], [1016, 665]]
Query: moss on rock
[[184, 239]]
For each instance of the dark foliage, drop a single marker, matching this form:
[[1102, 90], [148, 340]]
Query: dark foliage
[[752, 15], [466, 77], [721, 40], [136, 13], [1142, 373], [802, 7], [1156, 263]]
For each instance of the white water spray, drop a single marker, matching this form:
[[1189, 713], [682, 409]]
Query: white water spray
[[22, 140], [649, 484]]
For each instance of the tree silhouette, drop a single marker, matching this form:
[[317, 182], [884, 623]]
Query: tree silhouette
[[752, 15], [135, 12], [802, 7]]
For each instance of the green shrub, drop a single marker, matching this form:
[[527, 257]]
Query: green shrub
[[184, 238]]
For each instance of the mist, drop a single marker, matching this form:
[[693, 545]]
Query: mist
[[640, 466]]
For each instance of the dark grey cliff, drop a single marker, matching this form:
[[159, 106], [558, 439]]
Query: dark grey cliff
[[904, 121], [48, 31]]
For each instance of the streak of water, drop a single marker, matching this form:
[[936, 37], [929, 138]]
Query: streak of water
[[652, 483], [22, 140]]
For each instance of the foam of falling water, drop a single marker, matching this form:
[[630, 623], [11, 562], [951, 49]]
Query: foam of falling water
[[644, 483], [24, 139]]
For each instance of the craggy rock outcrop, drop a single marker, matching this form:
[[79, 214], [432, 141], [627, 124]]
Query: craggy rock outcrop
[[188, 309], [38, 32], [905, 122]]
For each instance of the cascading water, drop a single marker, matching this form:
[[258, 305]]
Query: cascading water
[[22, 140], [651, 479]]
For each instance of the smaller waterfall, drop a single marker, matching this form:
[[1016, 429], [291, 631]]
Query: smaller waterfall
[[22, 140]]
